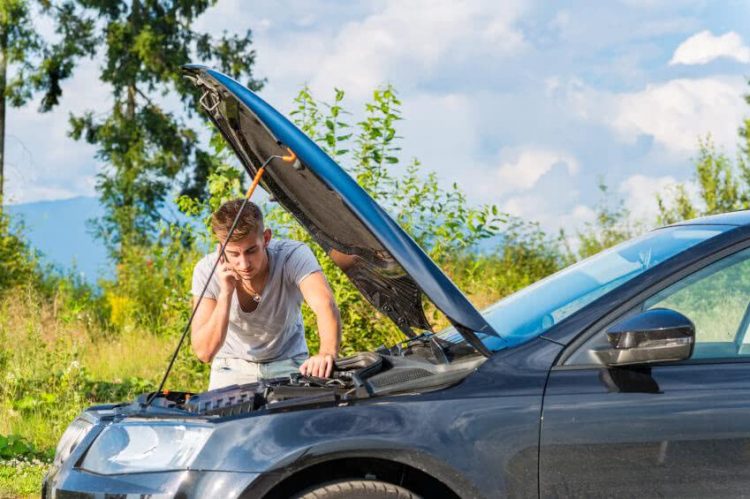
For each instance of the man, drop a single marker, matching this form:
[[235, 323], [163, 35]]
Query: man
[[249, 323]]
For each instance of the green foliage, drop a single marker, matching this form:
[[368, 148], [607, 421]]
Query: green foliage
[[723, 185], [152, 286], [37, 64], [16, 446], [19, 43], [145, 147], [21, 478], [22, 466], [677, 207], [611, 226], [19, 263], [28, 63]]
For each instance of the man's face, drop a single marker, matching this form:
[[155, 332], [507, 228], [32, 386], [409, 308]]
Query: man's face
[[247, 256]]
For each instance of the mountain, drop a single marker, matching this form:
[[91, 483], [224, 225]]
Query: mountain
[[58, 229]]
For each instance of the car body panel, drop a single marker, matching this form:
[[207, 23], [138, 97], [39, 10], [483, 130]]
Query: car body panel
[[672, 430], [461, 428], [187, 484], [377, 255], [737, 218]]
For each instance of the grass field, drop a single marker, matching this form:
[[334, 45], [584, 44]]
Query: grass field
[[54, 365]]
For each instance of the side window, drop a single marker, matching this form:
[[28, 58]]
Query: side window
[[717, 300]]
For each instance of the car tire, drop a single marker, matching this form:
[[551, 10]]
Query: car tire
[[367, 489]]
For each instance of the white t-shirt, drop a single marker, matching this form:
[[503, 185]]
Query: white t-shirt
[[274, 330]]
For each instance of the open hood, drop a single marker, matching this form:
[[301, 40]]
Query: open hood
[[382, 261]]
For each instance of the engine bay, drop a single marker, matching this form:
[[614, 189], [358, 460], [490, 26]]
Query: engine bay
[[419, 366]]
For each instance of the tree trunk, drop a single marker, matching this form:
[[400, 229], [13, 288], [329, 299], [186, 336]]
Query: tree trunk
[[3, 71]]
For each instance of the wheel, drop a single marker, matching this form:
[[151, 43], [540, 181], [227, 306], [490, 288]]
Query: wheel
[[366, 489]]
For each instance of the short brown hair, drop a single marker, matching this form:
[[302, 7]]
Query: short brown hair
[[250, 222]]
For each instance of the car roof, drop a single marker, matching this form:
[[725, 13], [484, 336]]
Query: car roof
[[737, 218]]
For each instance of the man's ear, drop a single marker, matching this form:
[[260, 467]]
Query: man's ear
[[267, 234]]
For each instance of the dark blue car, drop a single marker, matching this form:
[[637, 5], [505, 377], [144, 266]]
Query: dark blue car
[[623, 375]]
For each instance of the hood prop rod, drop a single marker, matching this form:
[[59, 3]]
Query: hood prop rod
[[288, 158]]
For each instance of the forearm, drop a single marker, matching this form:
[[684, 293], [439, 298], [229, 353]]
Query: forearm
[[329, 330], [208, 338]]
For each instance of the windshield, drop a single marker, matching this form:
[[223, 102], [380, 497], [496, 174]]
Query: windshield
[[533, 310]]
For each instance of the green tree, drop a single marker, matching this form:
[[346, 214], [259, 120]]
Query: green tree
[[28, 63], [611, 225], [144, 145], [723, 184], [19, 262]]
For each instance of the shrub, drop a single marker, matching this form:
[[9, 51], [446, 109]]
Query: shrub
[[19, 264]]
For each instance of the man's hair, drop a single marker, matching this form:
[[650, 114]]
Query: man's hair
[[250, 222]]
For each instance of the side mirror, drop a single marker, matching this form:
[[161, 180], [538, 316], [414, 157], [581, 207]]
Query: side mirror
[[657, 335]]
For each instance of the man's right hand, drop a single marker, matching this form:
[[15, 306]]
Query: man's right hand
[[228, 278]]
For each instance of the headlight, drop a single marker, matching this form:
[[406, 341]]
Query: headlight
[[145, 446], [70, 439]]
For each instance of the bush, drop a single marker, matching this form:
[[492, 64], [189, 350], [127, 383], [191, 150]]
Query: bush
[[19, 263], [152, 286]]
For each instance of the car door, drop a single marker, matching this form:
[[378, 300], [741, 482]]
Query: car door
[[669, 429]]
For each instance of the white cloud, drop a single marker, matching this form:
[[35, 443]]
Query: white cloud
[[391, 41], [407, 41], [676, 113], [525, 167], [640, 195], [705, 47], [43, 162], [551, 214]]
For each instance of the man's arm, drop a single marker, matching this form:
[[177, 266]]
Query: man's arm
[[319, 297], [209, 329]]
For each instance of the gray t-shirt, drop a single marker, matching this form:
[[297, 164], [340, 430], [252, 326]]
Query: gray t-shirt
[[274, 330]]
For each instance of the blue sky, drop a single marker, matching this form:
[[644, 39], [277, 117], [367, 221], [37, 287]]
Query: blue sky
[[524, 104]]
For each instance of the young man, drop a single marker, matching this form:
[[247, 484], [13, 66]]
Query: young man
[[249, 323]]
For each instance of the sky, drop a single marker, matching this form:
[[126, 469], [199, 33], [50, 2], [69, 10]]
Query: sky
[[523, 104]]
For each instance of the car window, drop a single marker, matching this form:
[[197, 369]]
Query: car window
[[717, 300], [533, 310]]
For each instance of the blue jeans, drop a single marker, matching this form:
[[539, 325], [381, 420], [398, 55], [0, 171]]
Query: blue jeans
[[225, 372]]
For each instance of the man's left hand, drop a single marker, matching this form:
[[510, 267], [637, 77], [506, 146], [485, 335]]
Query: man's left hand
[[320, 365]]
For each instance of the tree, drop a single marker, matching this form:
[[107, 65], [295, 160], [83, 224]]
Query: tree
[[723, 185], [36, 65], [611, 226], [144, 145]]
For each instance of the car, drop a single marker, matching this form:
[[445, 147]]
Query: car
[[625, 374]]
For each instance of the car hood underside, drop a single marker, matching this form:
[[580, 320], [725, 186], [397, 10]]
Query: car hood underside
[[384, 263]]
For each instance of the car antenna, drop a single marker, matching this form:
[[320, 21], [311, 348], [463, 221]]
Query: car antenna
[[288, 158]]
